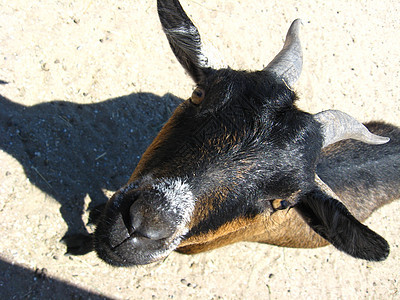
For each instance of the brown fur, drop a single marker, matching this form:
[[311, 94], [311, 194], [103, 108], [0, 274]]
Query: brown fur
[[282, 228]]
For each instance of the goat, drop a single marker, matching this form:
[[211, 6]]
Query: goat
[[238, 161]]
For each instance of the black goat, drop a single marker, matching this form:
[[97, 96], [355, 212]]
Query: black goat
[[239, 161]]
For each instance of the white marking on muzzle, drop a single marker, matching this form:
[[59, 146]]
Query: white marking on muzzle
[[180, 200]]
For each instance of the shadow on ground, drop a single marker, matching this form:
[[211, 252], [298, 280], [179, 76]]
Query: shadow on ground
[[71, 150], [18, 282]]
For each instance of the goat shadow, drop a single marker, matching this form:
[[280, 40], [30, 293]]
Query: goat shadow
[[19, 282], [71, 150]]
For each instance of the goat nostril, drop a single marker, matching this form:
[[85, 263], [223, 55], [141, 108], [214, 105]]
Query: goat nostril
[[147, 221], [152, 227]]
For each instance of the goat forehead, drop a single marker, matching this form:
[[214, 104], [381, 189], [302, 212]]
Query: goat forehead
[[244, 91], [228, 78]]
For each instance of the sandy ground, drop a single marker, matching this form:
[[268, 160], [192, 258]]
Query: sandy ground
[[85, 86]]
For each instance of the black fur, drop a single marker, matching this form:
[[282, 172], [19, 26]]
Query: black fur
[[254, 143], [332, 220]]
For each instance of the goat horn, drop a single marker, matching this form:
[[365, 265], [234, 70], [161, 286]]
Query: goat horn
[[337, 126], [288, 63]]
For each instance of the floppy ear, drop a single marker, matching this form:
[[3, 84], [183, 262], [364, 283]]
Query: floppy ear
[[184, 38], [331, 219]]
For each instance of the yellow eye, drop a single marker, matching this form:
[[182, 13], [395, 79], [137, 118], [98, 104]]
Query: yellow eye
[[197, 96]]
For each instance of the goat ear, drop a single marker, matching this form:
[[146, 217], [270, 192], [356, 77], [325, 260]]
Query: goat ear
[[331, 219], [184, 38]]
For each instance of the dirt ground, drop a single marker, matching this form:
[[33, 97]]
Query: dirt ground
[[85, 86]]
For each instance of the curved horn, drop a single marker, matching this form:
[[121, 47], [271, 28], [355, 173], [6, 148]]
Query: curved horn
[[288, 62], [337, 126]]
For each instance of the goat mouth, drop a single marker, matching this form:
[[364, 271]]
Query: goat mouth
[[135, 250], [137, 239]]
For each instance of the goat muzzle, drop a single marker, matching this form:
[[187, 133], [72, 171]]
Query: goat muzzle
[[137, 227]]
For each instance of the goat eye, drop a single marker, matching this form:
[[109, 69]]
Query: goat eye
[[197, 96]]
